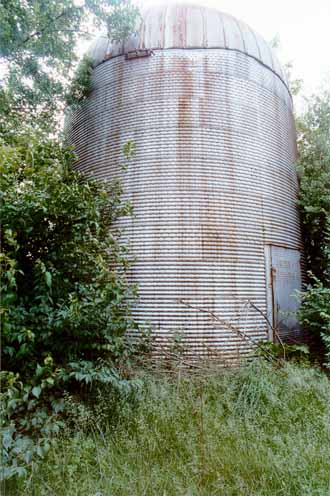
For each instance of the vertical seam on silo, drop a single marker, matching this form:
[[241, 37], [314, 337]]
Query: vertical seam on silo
[[241, 33], [205, 41], [164, 25], [142, 35], [272, 58], [256, 40], [223, 30]]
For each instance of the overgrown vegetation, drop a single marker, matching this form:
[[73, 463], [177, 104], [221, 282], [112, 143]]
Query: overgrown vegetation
[[314, 169], [81, 84], [314, 201], [64, 295], [255, 431]]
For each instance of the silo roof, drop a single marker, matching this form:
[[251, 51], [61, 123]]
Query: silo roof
[[189, 26]]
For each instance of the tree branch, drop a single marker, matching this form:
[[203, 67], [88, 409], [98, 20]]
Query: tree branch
[[230, 326], [42, 30], [275, 330]]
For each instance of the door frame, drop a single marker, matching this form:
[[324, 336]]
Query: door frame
[[270, 298], [270, 290]]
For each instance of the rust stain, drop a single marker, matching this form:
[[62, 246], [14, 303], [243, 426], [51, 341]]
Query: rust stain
[[182, 27], [198, 233]]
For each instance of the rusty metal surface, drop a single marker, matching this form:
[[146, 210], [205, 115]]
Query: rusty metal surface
[[284, 278], [211, 184], [189, 26]]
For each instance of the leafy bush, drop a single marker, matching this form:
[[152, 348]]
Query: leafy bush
[[279, 352], [80, 84], [314, 171], [314, 312], [64, 288], [314, 202], [65, 296], [64, 293], [315, 308], [30, 416]]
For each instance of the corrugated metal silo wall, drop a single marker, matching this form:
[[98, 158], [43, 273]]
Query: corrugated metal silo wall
[[212, 182]]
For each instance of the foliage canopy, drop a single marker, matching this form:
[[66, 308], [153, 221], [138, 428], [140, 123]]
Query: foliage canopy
[[38, 47], [65, 298], [314, 202], [314, 169]]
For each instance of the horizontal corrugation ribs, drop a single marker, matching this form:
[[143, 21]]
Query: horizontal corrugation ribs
[[211, 183]]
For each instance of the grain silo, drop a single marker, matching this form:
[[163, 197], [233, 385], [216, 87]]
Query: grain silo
[[215, 229]]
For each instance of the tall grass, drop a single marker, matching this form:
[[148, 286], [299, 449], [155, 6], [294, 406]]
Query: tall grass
[[258, 430]]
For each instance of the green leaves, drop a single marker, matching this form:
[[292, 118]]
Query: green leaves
[[27, 421], [36, 391], [48, 279], [129, 149], [65, 280], [314, 202], [80, 85], [315, 308], [314, 171], [65, 298], [39, 43]]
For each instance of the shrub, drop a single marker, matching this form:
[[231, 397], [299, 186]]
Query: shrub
[[65, 296], [314, 202], [314, 171], [314, 312], [81, 84]]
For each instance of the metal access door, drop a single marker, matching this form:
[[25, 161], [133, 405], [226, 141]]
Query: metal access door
[[283, 277]]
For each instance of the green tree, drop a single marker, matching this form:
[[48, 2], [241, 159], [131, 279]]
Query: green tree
[[314, 172], [314, 202], [39, 43]]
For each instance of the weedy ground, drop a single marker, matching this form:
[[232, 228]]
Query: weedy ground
[[257, 430]]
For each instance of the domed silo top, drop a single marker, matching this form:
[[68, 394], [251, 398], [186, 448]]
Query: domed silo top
[[189, 26]]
